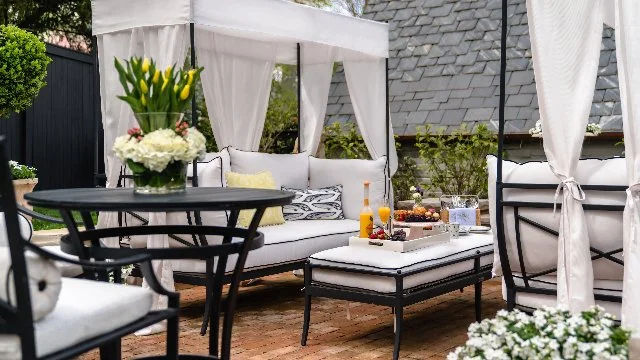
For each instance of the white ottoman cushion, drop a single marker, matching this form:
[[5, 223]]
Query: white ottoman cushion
[[391, 262]]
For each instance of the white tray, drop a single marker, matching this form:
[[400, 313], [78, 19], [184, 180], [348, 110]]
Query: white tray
[[432, 238]]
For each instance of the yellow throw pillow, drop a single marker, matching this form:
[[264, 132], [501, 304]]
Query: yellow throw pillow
[[261, 180]]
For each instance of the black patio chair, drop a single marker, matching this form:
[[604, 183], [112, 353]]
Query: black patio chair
[[103, 312]]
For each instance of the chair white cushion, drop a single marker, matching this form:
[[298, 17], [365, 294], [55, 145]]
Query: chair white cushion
[[66, 269], [85, 309], [351, 174], [290, 170], [41, 272], [535, 301], [291, 241], [391, 262], [540, 249], [26, 229], [210, 170]]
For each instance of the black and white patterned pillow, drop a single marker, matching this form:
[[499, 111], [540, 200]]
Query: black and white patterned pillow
[[315, 204]]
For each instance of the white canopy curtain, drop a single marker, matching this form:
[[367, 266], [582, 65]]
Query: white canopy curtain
[[565, 42], [628, 53], [236, 82]]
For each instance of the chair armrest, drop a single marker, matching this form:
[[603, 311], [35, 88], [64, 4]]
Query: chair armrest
[[95, 264], [37, 215]]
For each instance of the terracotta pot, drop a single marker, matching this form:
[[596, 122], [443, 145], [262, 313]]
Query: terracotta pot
[[24, 186]]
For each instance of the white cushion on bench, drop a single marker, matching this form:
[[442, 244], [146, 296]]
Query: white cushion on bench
[[291, 241], [290, 170], [85, 309], [535, 301], [390, 262]]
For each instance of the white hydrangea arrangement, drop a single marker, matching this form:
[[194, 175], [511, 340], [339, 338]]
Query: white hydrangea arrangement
[[550, 333], [416, 195], [591, 130], [156, 150]]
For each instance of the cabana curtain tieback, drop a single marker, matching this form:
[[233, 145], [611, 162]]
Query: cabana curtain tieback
[[576, 191]]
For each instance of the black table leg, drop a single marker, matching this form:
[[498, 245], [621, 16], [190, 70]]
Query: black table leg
[[396, 342], [307, 304], [214, 291]]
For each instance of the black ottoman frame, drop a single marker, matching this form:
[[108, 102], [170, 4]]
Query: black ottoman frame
[[402, 297]]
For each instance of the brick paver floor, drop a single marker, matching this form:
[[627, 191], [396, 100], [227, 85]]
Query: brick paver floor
[[268, 323]]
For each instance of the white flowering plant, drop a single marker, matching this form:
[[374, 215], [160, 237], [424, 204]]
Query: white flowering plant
[[159, 157], [19, 172], [550, 333], [592, 129]]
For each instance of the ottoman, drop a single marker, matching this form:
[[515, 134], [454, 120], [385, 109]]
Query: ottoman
[[382, 277]]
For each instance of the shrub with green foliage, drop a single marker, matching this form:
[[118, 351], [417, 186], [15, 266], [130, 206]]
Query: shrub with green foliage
[[23, 68], [456, 162], [343, 141]]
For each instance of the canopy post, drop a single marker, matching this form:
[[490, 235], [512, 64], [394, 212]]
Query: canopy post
[[502, 246], [194, 110], [387, 127], [299, 76]]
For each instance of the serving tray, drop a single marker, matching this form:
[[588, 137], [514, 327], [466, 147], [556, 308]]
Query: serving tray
[[432, 238]]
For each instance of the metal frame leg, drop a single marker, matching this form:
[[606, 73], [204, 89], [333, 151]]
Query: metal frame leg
[[307, 304], [111, 351], [478, 300], [173, 330], [398, 322]]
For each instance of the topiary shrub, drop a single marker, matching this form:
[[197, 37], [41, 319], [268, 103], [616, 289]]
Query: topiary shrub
[[23, 68]]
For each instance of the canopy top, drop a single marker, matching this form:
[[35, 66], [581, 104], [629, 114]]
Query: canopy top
[[278, 21]]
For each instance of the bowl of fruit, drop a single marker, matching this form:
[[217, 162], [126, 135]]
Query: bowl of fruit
[[418, 214], [380, 234]]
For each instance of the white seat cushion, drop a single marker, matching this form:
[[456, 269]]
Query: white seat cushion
[[66, 269], [535, 301], [85, 309], [391, 262], [291, 241]]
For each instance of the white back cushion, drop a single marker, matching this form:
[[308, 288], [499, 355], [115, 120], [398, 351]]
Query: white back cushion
[[290, 170], [351, 174], [540, 249]]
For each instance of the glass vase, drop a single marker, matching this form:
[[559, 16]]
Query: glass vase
[[173, 179], [152, 121]]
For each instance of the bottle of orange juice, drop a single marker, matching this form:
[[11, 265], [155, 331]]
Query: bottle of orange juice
[[366, 215]]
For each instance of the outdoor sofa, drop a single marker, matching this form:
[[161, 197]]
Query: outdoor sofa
[[287, 246]]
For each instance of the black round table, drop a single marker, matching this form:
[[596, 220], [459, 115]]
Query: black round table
[[232, 200]]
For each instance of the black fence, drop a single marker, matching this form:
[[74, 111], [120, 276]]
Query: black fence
[[61, 134]]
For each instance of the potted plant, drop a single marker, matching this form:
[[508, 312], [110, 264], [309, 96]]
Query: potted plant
[[550, 333], [24, 180], [24, 68], [591, 130], [158, 151]]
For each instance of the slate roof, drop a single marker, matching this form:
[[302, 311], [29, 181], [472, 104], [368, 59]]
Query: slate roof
[[444, 67]]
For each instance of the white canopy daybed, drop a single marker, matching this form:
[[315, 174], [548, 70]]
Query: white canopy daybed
[[566, 38], [238, 42]]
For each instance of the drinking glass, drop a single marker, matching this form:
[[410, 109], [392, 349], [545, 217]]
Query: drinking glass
[[384, 211]]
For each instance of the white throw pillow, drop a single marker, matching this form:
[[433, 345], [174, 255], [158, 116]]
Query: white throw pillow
[[26, 229], [540, 249], [351, 174], [45, 282], [290, 170]]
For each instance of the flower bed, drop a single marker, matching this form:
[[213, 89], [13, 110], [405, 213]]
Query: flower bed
[[549, 333]]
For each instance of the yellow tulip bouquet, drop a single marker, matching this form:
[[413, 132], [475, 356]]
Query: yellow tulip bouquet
[[157, 152], [157, 97]]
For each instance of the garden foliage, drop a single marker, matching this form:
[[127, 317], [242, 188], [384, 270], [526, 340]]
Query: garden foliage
[[456, 162]]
